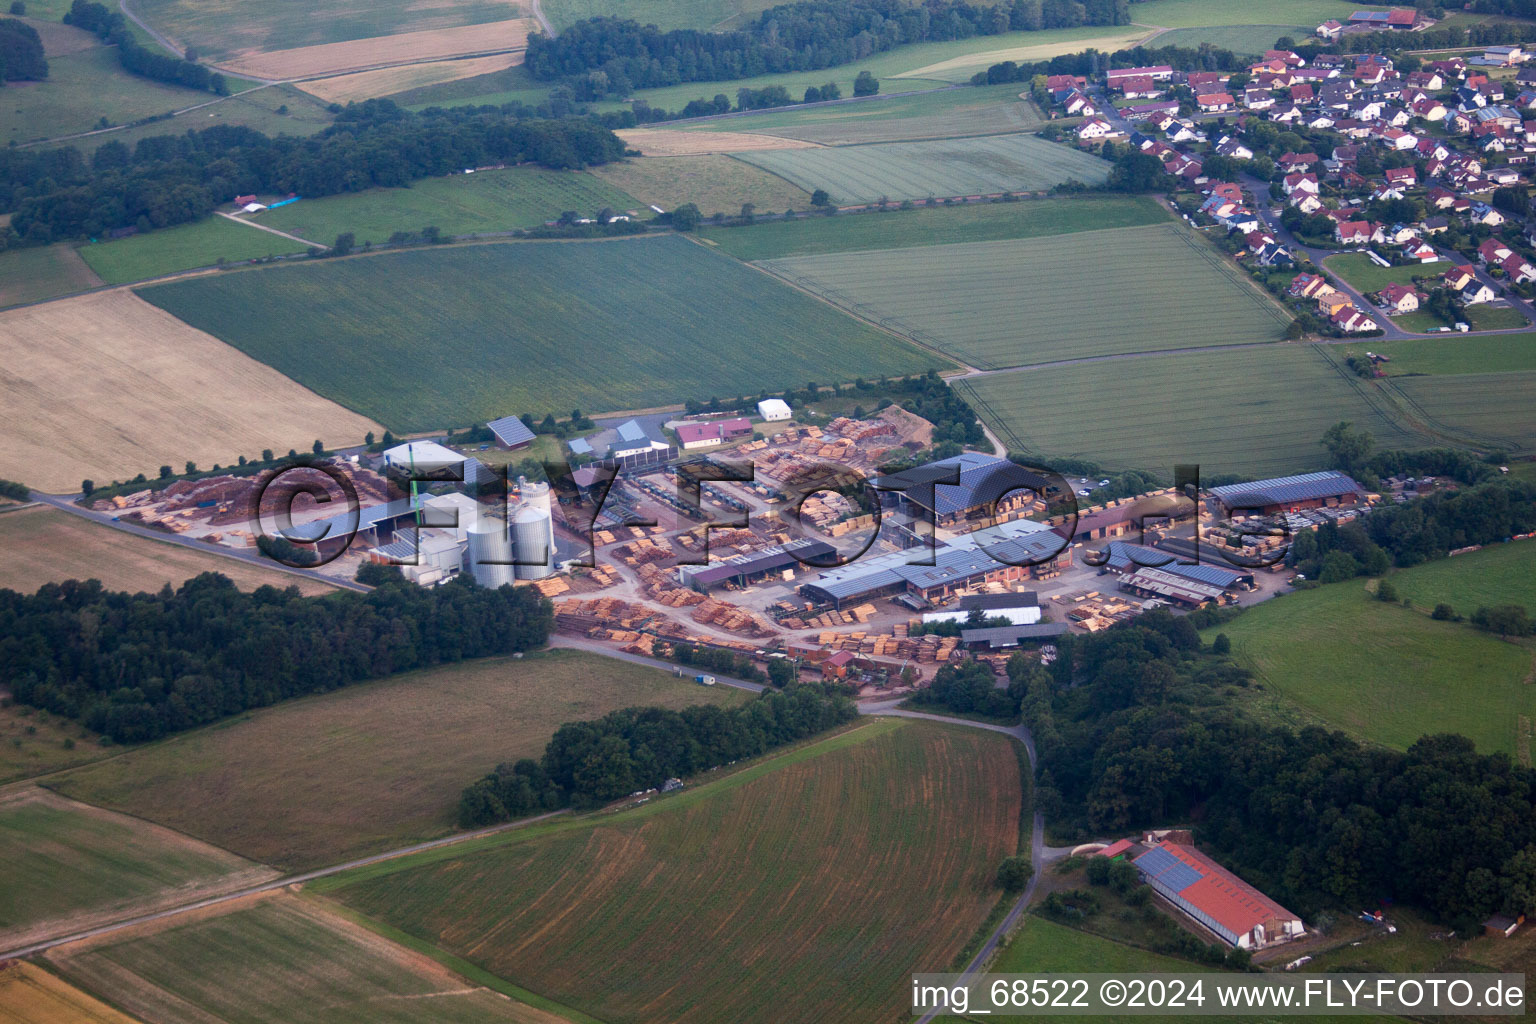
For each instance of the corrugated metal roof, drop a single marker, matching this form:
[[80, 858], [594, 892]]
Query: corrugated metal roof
[[960, 559], [1012, 634], [631, 430], [983, 480], [1280, 490], [510, 430], [1210, 888]]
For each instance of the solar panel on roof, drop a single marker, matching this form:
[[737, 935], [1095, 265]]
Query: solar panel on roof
[[510, 430]]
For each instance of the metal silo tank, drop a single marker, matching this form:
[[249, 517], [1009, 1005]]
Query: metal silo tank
[[490, 552], [531, 533]]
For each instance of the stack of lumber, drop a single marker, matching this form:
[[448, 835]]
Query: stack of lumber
[[551, 586]]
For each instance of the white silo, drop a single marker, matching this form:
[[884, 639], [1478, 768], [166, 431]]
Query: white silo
[[531, 534], [490, 552]]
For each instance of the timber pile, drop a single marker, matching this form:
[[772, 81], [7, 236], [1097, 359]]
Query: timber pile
[[551, 586]]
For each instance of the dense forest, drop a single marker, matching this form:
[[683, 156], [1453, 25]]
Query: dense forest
[[139, 666], [1132, 730], [589, 763], [21, 52], [137, 59], [170, 179], [602, 57]]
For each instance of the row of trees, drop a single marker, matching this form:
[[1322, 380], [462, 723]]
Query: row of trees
[[590, 763], [171, 179], [21, 52], [112, 27], [139, 666], [1091, 62], [1132, 731], [602, 57]]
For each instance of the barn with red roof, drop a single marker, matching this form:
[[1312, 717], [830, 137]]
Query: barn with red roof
[[1224, 904]]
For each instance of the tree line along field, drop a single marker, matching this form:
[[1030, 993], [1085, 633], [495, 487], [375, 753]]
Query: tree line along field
[[106, 386], [1258, 411], [1386, 673], [81, 89], [460, 333], [1023, 47], [917, 170], [808, 887], [940, 113], [46, 545], [277, 957], [316, 781], [1013, 303], [933, 225], [64, 866], [517, 197], [202, 243]]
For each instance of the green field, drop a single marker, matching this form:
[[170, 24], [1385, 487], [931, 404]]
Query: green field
[[938, 114], [1258, 411], [805, 888], [184, 247], [1357, 269], [518, 197], [1454, 353], [460, 333], [370, 767], [220, 28], [62, 863], [1250, 39], [1499, 574], [81, 89], [1482, 317], [715, 183], [37, 273], [896, 229], [1484, 409], [33, 742], [1384, 672], [278, 959], [917, 170], [255, 109], [1200, 13], [664, 14], [1016, 303]]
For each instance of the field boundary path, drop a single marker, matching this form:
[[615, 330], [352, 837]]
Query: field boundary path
[[270, 230]]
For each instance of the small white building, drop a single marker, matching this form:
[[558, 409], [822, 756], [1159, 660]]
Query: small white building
[[773, 409]]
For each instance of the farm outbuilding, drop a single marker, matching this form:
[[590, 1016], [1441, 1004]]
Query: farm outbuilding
[[1227, 906], [773, 409], [511, 433]]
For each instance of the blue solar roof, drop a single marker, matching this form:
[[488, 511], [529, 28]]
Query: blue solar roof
[[1278, 491], [510, 430], [1168, 869]]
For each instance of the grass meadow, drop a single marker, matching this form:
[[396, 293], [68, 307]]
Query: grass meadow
[[1014, 303], [813, 882], [714, 182], [1357, 269], [33, 742], [62, 863], [1386, 673], [929, 225], [917, 170], [518, 197], [1454, 354], [80, 90], [278, 958], [315, 781], [1500, 574], [1259, 411], [459, 333], [202, 243], [38, 273]]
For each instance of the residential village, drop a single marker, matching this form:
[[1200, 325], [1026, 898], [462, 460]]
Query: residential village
[[1414, 161]]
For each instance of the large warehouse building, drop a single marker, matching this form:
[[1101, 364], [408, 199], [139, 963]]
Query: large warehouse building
[[1289, 493], [1216, 898], [984, 482]]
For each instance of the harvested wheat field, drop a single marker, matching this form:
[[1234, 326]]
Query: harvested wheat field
[[675, 142], [30, 995], [363, 85], [357, 54], [45, 545], [105, 386]]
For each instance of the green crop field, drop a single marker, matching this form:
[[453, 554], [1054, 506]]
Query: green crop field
[[917, 170], [369, 767], [805, 888], [1357, 269], [518, 197], [255, 108], [1249, 39], [184, 247], [1499, 574], [220, 28], [37, 273], [664, 14], [897, 229], [1454, 354], [63, 864], [1258, 411], [1016, 303], [937, 114], [279, 959], [1200, 13], [715, 183], [956, 62], [1492, 409], [81, 89], [459, 333], [1384, 672]]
